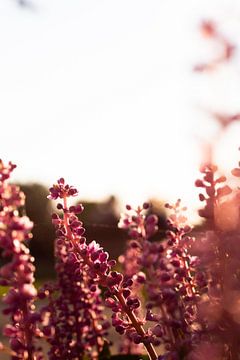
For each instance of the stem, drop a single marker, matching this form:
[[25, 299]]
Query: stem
[[26, 324], [65, 219], [138, 327], [189, 284], [28, 333]]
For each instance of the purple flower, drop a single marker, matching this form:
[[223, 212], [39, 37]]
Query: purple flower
[[84, 267], [61, 190], [18, 273]]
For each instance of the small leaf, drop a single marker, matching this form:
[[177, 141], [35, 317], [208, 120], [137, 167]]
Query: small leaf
[[221, 179], [236, 172], [225, 190], [199, 183]]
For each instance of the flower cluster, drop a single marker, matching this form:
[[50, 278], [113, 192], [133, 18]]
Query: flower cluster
[[140, 226], [168, 272], [92, 259], [76, 326], [214, 191], [141, 254], [218, 250], [18, 271]]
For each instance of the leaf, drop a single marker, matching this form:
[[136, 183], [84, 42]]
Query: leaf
[[221, 179], [199, 183], [236, 172], [225, 190]]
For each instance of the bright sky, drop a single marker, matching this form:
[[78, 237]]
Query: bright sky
[[101, 92]]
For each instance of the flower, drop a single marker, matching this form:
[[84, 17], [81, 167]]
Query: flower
[[18, 272]]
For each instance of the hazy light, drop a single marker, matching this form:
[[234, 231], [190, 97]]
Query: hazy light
[[102, 93]]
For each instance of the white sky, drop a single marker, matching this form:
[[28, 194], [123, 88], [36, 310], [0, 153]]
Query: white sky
[[101, 92]]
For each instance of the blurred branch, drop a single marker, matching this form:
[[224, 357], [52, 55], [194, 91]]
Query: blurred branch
[[209, 30]]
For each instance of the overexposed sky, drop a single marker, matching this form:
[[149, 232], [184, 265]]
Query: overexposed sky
[[103, 94]]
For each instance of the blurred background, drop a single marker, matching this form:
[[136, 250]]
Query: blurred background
[[124, 99]]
